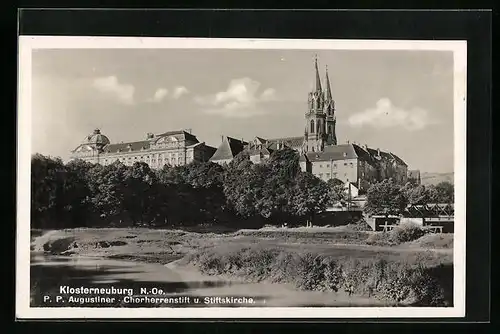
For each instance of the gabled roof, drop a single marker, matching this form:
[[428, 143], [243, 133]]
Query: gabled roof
[[362, 153], [255, 151], [399, 160], [209, 151], [228, 149]]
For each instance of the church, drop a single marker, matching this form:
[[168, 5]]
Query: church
[[320, 154]]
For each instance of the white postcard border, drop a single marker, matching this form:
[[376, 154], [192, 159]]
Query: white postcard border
[[29, 43]]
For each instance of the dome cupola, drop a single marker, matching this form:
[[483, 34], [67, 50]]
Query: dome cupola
[[97, 138]]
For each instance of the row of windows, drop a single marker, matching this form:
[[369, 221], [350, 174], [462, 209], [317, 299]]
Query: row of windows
[[326, 176], [318, 126], [168, 157], [154, 162], [335, 165], [147, 160]]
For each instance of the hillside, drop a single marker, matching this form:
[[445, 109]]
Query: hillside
[[435, 178]]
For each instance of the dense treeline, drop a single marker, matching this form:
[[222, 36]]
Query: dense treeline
[[387, 197], [79, 194], [83, 194]]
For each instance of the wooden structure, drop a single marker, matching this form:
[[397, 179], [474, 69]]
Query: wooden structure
[[382, 222], [437, 217]]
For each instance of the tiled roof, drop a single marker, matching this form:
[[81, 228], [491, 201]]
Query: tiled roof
[[399, 160], [124, 147], [145, 144], [209, 151], [334, 152], [254, 151], [228, 149], [185, 134], [293, 142], [362, 153]]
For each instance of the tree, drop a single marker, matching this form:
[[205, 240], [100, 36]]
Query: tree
[[445, 192], [337, 191], [416, 195], [206, 180], [138, 185], [77, 193], [173, 175], [204, 175], [385, 197], [47, 191], [244, 189], [310, 195], [107, 184], [285, 164]]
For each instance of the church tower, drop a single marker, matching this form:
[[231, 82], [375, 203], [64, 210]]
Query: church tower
[[315, 134], [331, 119]]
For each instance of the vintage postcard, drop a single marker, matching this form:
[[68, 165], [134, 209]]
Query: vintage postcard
[[236, 178]]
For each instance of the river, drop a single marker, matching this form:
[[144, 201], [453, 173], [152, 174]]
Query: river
[[156, 285]]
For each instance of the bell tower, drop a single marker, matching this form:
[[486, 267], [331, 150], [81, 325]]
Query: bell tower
[[315, 134], [329, 108]]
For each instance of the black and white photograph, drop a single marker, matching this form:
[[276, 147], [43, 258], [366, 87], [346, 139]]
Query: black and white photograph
[[250, 178]]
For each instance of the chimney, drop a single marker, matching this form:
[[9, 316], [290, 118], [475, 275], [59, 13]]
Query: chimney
[[378, 152]]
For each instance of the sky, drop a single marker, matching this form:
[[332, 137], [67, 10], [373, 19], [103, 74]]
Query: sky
[[398, 101]]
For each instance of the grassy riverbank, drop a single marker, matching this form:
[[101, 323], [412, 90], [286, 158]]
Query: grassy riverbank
[[418, 272]]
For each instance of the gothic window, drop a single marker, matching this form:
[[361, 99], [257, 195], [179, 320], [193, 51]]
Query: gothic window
[[313, 148], [312, 126]]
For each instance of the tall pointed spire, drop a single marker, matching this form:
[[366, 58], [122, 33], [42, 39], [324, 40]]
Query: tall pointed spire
[[317, 86], [328, 89]]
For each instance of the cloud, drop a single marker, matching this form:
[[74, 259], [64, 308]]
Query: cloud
[[160, 94], [268, 95], [110, 85], [386, 115], [241, 99], [179, 91]]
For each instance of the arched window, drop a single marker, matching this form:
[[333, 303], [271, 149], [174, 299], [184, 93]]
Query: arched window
[[318, 126], [312, 126]]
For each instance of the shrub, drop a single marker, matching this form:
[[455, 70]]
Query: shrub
[[420, 280], [332, 275], [406, 232], [310, 272], [380, 239], [359, 225], [284, 267]]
